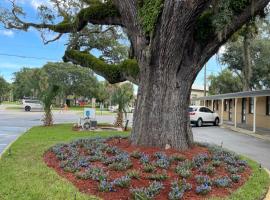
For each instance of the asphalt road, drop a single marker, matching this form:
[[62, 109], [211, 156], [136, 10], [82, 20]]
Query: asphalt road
[[256, 149], [14, 123]]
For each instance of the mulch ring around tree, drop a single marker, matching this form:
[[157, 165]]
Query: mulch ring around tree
[[114, 169]]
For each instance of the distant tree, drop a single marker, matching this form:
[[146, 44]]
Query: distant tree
[[247, 54], [103, 92], [72, 79], [224, 82], [122, 96], [4, 88], [26, 83]]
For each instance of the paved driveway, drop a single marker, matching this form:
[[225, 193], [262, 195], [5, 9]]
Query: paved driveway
[[14, 123], [252, 147]]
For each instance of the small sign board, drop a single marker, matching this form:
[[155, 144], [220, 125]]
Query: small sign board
[[89, 113]]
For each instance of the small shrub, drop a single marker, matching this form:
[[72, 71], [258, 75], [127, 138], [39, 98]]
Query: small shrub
[[222, 182], [205, 180], [232, 169], [160, 155], [105, 186], [158, 177], [203, 189], [120, 166], [149, 168], [216, 163], [144, 158], [136, 154], [235, 178], [241, 169], [187, 164], [147, 193], [177, 157], [183, 172], [134, 174], [200, 159], [176, 192], [242, 162], [94, 173], [122, 182], [208, 169], [178, 188], [163, 163]]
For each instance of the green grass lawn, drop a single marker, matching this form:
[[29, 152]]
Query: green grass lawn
[[24, 175], [11, 103]]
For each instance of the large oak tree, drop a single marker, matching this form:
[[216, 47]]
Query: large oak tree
[[170, 40]]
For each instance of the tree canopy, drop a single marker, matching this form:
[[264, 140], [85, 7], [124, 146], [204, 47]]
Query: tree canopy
[[71, 80], [224, 82], [258, 54]]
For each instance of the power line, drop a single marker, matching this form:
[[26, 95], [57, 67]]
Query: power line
[[31, 57]]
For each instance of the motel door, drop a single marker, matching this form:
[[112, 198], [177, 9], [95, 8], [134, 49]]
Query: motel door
[[244, 110], [230, 110]]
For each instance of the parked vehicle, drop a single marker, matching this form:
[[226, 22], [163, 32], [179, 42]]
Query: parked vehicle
[[29, 105], [200, 115]]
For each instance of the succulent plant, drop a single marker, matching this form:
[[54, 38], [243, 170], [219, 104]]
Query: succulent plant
[[222, 182], [201, 179], [203, 189]]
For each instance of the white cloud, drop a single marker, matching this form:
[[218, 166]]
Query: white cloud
[[7, 33], [222, 50]]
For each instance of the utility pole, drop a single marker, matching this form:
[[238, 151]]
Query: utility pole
[[205, 80]]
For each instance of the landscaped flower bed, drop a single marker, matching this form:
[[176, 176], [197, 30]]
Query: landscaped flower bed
[[114, 169]]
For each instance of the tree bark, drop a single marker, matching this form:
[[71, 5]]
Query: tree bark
[[161, 111]]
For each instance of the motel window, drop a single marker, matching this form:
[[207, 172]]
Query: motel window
[[268, 105], [251, 105]]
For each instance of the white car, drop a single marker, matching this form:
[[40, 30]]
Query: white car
[[200, 115], [29, 105]]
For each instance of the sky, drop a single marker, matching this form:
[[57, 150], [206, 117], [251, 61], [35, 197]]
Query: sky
[[26, 49]]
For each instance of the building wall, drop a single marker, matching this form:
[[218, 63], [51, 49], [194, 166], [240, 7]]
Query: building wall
[[262, 120], [196, 94]]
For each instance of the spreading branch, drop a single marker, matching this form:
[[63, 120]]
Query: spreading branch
[[113, 73], [220, 38], [97, 13]]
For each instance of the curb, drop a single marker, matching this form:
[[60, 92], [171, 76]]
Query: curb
[[267, 197], [246, 132], [8, 146]]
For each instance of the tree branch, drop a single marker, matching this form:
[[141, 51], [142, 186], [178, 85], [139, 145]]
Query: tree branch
[[215, 41], [114, 73], [97, 13]]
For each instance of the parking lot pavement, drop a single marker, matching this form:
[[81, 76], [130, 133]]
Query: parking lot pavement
[[256, 149]]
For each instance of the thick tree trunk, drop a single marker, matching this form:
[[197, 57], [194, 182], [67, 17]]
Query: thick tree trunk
[[161, 114]]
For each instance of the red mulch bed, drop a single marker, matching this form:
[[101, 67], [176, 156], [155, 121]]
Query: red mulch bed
[[91, 187]]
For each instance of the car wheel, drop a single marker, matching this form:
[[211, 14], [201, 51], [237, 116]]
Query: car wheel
[[86, 126], [199, 122], [27, 108], [216, 123]]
